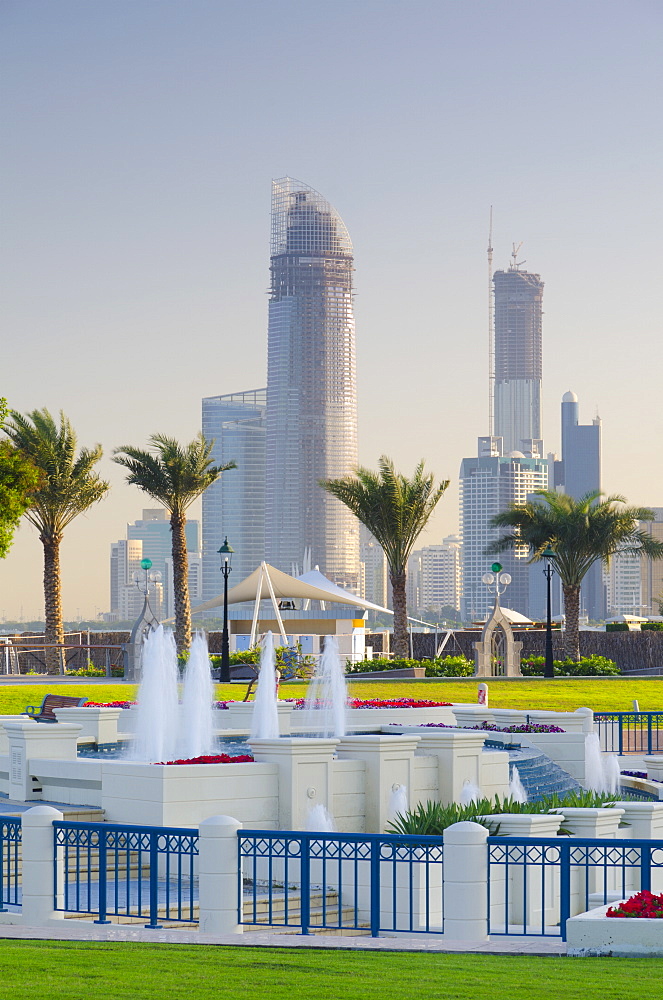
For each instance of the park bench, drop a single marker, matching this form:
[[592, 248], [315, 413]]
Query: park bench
[[51, 701]]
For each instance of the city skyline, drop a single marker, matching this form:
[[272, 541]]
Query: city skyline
[[140, 142]]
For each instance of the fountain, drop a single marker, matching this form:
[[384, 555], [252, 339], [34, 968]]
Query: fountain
[[195, 729], [611, 773], [265, 719], [325, 711], [319, 820], [517, 792], [469, 793], [397, 802], [157, 710], [164, 729], [602, 773]]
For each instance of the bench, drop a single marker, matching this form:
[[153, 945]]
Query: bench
[[51, 701]]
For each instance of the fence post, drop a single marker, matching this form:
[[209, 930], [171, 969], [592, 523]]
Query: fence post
[[218, 867], [40, 869], [466, 882]]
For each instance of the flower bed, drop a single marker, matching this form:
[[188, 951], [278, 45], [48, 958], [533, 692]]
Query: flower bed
[[386, 703], [489, 727], [109, 704], [643, 905], [219, 758], [300, 703], [641, 774]]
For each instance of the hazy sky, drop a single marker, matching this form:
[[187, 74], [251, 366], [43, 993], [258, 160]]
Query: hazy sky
[[140, 139]]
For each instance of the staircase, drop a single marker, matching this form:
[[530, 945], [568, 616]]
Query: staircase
[[539, 774]]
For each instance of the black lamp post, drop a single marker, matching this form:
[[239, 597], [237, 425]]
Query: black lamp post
[[548, 669], [226, 553]]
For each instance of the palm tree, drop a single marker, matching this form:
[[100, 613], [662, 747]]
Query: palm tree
[[175, 475], [579, 532], [395, 510], [67, 487]]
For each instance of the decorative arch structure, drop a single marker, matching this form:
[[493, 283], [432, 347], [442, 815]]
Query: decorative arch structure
[[497, 654]]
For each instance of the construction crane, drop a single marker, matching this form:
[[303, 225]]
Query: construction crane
[[515, 250], [491, 347]]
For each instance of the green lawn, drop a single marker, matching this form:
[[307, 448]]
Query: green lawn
[[91, 971], [562, 694]]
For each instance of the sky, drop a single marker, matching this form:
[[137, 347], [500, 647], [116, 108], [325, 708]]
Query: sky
[[140, 140]]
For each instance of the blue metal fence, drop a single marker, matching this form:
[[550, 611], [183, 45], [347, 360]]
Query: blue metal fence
[[341, 881], [10, 868], [130, 871], [630, 732], [536, 884]]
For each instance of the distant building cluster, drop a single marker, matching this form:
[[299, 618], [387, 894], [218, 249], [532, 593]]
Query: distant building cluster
[[150, 538], [302, 427]]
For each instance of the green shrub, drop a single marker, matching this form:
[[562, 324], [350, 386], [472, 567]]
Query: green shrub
[[587, 666], [590, 666], [617, 627], [652, 626], [450, 666], [368, 666], [430, 819]]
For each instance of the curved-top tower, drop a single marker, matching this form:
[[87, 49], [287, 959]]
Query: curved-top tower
[[311, 415]]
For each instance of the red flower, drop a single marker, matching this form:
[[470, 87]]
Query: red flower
[[219, 758], [643, 904]]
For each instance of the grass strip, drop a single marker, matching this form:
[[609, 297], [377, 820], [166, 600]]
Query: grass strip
[[127, 971], [611, 694]]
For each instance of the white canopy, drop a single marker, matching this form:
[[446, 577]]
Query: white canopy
[[312, 586]]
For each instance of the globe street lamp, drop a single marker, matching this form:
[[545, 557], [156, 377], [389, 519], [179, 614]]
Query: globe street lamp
[[496, 581], [549, 668], [226, 553]]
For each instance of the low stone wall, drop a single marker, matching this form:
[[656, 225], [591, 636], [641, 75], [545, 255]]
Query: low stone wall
[[631, 651]]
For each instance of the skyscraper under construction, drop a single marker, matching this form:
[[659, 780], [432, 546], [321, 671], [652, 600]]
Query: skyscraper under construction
[[517, 372], [311, 415]]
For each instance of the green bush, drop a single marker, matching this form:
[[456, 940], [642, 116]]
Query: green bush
[[652, 626], [430, 819], [587, 666], [368, 666], [617, 627], [450, 666]]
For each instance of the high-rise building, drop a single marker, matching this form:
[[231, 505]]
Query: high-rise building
[[488, 485], [234, 506], [437, 571], [579, 473], [126, 572], [517, 362], [153, 539], [374, 571], [651, 570], [311, 386], [623, 584]]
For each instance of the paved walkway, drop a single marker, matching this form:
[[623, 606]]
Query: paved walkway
[[70, 930]]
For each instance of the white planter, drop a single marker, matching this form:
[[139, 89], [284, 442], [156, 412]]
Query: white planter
[[593, 933], [98, 725]]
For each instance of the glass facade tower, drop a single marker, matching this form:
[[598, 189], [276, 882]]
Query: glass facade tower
[[518, 311], [311, 415], [235, 504]]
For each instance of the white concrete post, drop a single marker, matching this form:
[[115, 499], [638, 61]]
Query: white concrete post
[[39, 867], [465, 882], [218, 866]]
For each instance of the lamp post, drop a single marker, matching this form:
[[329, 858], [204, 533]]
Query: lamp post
[[226, 553], [146, 617], [549, 668]]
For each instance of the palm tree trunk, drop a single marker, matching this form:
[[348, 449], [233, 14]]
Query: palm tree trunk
[[181, 582], [53, 627], [401, 648], [571, 630]]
